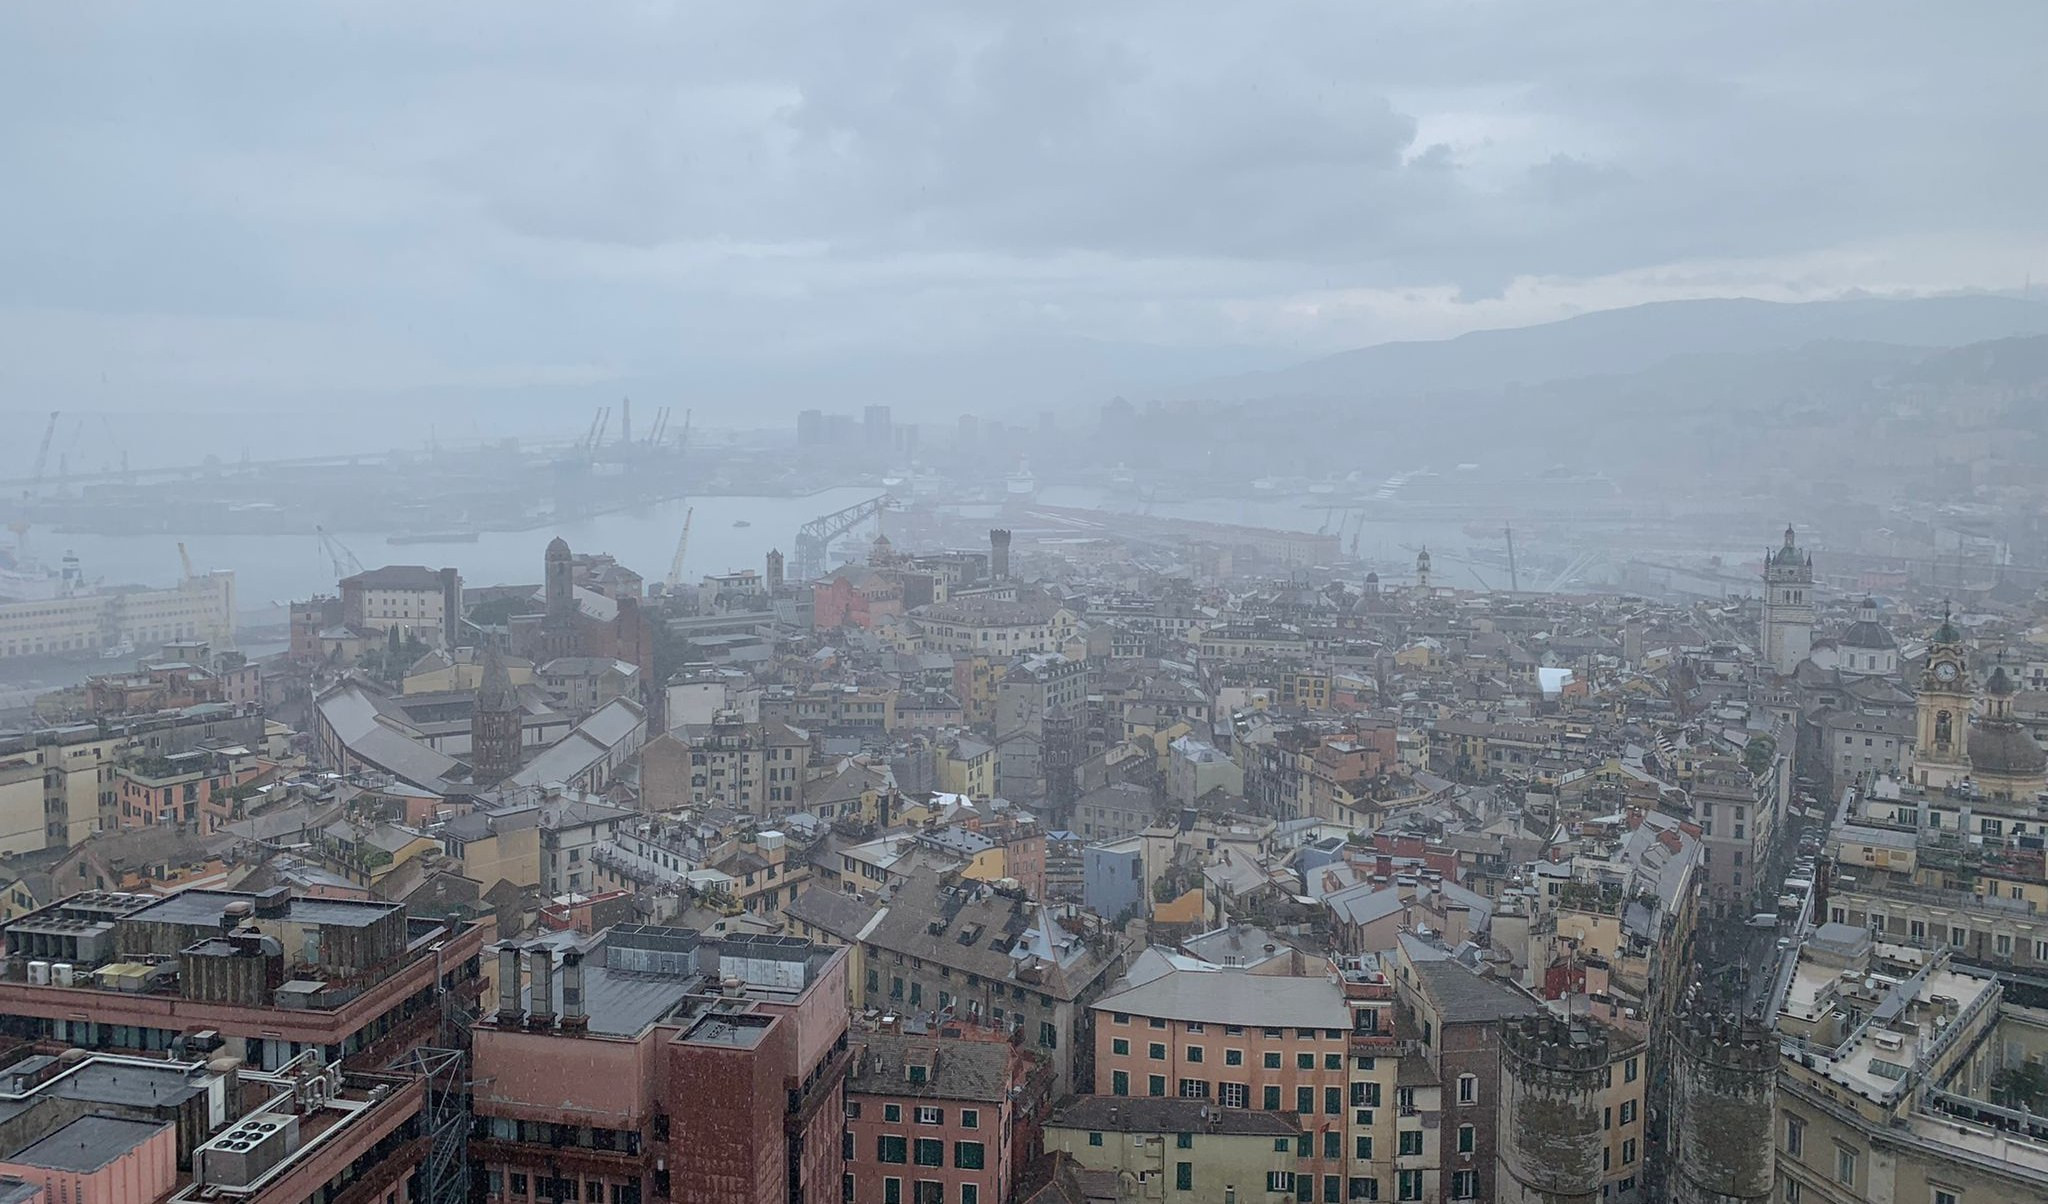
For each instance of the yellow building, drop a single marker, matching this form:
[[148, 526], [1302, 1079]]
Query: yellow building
[[967, 766], [1180, 1149], [438, 671], [494, 848]]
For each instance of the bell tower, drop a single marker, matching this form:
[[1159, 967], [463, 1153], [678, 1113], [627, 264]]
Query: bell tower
[[1941, 737], [1787, 635]]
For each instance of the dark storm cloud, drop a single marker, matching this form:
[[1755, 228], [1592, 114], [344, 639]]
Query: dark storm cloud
[[391, 195]]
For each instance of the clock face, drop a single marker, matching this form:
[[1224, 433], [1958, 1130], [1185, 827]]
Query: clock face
[[1946, 670]]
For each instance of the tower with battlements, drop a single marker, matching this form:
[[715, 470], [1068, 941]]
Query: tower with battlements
[[1551, 1143], [1725, 1074]]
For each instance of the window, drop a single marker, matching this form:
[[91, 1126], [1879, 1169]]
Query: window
[[1795, 1136], [1468, 1089], [1333, 1144], [1272, 1061], [1194, 1053], [893, 1113], [1048, 1035], [1365, 1095], [892, 1149], [927, 1115], [1333, 1061], [1095, 1139], [1156, 1051], [1279, 1181], [1362, 1148], [1155, 1084], [1280, 1145], [1628, 1111], [1120, 1017], [1332, 1187], [931, 1152], [1119, 1082], [1156, 1022], [892, 1191], [1234, 1095], [1304, 1100], [1183, 1176], [1408, 1185], [1467, 1137], [1363, 1188], [1333, 1101], [1119, 1046], [1194, 1089], [1195, 1026], [967, 1155], [970, 1193], [1233, 1057], [1943, 1195], [1464, 1185], [1628, 1152], [1411, 1143], [1792, 1190], [1271, 1099], [1184, 1141], [1628, 1071], [1845, 1165]]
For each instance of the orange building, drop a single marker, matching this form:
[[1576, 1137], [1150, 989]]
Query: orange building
[[1276, 1044]]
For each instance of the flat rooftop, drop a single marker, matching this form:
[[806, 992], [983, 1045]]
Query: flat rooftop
[[88, 1143], [205, 907]]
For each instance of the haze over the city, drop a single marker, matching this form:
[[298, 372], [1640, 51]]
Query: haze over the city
[[468, 209]]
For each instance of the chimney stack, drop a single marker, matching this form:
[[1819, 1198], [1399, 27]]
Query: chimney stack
[[508, 985], [574, 1019], [998, 554], [540, 1012]]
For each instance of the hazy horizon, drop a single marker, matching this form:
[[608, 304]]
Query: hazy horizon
[[241, 207]]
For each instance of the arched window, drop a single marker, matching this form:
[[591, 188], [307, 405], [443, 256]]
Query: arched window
[[1944, 728]]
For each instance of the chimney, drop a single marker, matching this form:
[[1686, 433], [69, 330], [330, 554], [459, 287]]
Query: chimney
[[999, 554], [508, 985], [574, 1019], [540, 1012]]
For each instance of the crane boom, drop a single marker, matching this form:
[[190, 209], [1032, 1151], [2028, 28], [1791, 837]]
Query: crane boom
[[185, 558], [675, 567], [43, 451], [345, 561]]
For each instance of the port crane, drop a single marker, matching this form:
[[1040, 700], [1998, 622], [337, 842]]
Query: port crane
[[185, 559], [345, 562], [675, 567], [43, 451]]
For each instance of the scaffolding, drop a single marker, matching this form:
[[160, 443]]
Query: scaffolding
[[444, 1174]]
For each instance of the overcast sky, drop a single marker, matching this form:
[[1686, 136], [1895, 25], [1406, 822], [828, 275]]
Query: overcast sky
[[307, 201]]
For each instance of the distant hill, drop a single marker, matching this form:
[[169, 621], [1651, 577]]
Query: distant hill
[[1623, 341], [2006, 363]]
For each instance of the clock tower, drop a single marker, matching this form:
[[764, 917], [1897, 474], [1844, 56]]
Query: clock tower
[[1942, 735]]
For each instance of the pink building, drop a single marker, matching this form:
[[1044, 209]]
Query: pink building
[[941, 1119], [99, 1159]]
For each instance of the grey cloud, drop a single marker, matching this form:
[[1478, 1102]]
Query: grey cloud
[[645, 188]]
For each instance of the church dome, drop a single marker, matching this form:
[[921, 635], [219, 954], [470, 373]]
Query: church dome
[[2005, 750], [558, 549], [1866, 632]]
